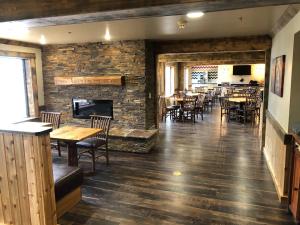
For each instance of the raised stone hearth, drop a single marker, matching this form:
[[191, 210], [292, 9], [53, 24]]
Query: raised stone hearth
[[132, 140]]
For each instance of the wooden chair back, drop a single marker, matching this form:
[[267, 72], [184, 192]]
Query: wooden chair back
[[189, 101], [101, 122], [200, 100], [251, 102], [51, 117]]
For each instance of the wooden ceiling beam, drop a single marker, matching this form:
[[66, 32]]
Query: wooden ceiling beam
[[233, 44], [58, 12]]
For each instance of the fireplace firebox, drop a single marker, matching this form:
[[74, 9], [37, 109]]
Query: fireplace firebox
[[84, 108]]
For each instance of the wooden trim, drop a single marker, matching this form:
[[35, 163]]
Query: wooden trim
[[214, 45], [285, 18], [32, 89], [285, 137], [17, 54], [31, 78], [19, 43], [68, 202], [115, 80], [265, 98]]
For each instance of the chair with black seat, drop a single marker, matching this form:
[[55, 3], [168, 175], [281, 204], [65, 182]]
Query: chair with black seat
[[189, 108], [54, 119], [227, 108], [248, 110], [93, 144]]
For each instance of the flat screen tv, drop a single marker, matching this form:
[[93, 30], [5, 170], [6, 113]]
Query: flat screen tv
[[84, 108], [242, 70]]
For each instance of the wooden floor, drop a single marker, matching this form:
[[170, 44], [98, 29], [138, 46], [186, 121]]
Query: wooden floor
[[224, 180]]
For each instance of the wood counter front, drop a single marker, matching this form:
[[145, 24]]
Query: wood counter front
[[26, 177]]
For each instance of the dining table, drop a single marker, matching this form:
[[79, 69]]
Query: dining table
[[238, 100], [71, 135], [192, 94]]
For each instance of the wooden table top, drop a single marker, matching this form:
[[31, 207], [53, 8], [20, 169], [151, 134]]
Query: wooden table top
[[38, 124], [192, 94], [70, 133], [181, 99], [239, 100]]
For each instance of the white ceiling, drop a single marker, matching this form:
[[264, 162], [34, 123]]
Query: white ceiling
[[254, 21]]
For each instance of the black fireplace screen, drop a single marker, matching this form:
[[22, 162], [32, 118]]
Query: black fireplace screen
[[84, 108]]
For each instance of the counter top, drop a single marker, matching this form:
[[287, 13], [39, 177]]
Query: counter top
[[27, 128]]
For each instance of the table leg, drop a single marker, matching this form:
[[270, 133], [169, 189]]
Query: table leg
[[72, 154]]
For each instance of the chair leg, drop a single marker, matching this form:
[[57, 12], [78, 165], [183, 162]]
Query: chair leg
[[194, 116], [107, 156], [93, 160], [58, 149]]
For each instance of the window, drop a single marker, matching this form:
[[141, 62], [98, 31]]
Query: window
[[186, 78], [169, 80], [13, 95]]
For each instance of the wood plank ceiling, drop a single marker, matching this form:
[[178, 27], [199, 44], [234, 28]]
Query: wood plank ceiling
[[57, 12]]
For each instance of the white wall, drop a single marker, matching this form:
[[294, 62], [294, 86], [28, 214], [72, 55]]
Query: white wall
[[283, 44], [39, 73], [225, 74]]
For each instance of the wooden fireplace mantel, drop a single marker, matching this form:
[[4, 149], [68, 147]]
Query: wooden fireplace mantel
[[115, 80]]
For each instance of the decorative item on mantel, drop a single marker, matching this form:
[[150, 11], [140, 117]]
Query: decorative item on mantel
[[115, 80]]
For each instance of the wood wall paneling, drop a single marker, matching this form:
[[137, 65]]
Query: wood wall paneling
[[278, 152], [27, 186]]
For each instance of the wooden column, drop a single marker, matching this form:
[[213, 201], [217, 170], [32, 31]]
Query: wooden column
[[266, 98], [26, 177]]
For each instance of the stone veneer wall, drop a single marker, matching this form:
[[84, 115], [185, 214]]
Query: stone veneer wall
[[126, 58]]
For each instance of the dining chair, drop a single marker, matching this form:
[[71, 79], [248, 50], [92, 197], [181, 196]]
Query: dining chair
[[167, 109], [248, 110], [189, 108], [227, 108], [92, 145], [200, 105], [53, 118]]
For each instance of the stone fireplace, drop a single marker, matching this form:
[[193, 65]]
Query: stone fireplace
[[131, 104]]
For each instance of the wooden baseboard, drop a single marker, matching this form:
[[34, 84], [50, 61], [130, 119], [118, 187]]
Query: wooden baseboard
[[68, 202]]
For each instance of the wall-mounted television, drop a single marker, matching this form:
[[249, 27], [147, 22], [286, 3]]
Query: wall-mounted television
[[242, 70], [84, 108]]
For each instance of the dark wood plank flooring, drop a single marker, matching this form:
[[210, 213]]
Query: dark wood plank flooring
[[224, 181]]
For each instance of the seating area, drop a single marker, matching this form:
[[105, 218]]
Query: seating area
[[241, 105], [237, 104], [149, 112], [187, 106]]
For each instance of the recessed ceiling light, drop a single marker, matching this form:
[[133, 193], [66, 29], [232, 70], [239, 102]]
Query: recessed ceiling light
[[107, 36], [42, 40], [177, 173], [194, 15]]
